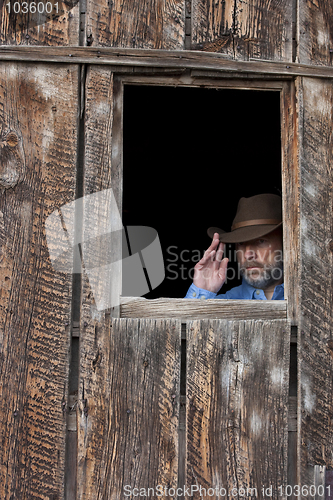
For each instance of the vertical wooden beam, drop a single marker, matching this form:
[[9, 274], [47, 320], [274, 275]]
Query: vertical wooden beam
[[290, 197], [95, 323], [316, 260], [237, 394], [38, 114]]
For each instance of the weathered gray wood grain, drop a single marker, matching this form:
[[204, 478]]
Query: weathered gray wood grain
[[38, 106], [259, 29], [316, 259], [24, 29], [315, 32], [95, 324], [134, 23], [185, 309], [290, 140], [129, 430], [155, 58], [237, 405]]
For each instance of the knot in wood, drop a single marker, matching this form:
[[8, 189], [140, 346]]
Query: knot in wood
[[11, 139]]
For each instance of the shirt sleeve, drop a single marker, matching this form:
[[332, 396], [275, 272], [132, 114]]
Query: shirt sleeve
[[199, 293]]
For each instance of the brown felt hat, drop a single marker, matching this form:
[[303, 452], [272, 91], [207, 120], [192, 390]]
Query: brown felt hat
[[255, 217]]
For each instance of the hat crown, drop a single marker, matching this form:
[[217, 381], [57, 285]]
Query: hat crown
[[259, 207], [255, 217]]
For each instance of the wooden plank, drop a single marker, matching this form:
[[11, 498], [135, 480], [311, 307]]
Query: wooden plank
[[129, 424], [136, 23], [316, 260], [315, 32], [141, 58], [260, 29], [237, 407], [94, 338], [38, 114], [59, 27], [290, 197], [133, 307]]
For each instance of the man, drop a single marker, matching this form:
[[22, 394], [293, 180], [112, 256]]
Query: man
[[257, 233]]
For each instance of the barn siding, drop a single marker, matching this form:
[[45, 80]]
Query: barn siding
[[258, 29], [128, 435], [152, 24], [39, 112], [24, 29], [315, 322], [315, 35], [37, 176], [237, 395]]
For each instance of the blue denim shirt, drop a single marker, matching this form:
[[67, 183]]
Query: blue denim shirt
[[243, 291]]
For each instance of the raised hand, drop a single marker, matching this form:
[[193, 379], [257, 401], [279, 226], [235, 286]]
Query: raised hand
[[210, 271]]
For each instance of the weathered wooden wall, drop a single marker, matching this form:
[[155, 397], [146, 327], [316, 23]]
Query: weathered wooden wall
[[55, 129], [38, 118], [243, 30], [237, 398], [315, 324], [315, 320]]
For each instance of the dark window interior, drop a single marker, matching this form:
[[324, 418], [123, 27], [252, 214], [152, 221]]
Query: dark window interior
[[189, 154]]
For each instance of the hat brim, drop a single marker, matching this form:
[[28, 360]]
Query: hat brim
[[241, 234]]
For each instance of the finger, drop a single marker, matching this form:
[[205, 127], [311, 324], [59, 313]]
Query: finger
[[223, 267], [214, 243], [208, 256], [220, 252]]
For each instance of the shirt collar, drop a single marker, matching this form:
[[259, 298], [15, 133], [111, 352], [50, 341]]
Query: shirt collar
[[251, 292]]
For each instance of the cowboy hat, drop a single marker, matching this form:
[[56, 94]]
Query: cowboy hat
[[255, 217]]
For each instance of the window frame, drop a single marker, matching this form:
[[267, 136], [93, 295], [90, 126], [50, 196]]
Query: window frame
[[286, 86]]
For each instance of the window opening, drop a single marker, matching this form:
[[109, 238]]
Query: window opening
[[189, 154]]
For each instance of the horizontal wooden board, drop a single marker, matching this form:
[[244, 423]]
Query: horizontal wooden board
[[133, 307], [128, 424], [136, 23], [141, 58], [260, 29], [237, 407], [38, 115]]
